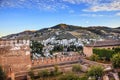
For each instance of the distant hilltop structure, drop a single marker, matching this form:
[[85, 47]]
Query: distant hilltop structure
[[105, 44], [15, 56]]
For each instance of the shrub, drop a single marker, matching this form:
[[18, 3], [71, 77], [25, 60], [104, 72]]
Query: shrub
[[69, 77], [104, 53], [83, 78], [117, 49], [76, 68], [31, 74], [55, 72], [43, 73], [116, 60], [94, 57], [95, 71]]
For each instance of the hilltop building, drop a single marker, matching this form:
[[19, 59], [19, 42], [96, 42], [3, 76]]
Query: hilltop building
[[107, 44]]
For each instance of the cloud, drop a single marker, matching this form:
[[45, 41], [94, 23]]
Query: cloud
[[82, 1], [92, 15], [98, 5], [71, 11], [41, 4], [118, 14], [87, 22], [91, 5], [111, 6]]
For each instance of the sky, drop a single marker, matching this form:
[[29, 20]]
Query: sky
[[20, 15]]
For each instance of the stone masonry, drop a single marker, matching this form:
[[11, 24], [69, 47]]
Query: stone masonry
[[15, 56]]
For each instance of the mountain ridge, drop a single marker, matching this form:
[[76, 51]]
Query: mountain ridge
[[67, 31]]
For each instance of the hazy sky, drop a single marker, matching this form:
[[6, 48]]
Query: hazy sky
[[20, 15]]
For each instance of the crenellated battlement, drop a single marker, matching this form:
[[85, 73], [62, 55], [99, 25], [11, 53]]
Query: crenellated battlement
[[58, 60], [14, 42]]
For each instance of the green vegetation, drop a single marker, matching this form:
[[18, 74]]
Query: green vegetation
[[74, 48], [43, 74], [69, 76], [2, 74], [76, 68], [116, 50], [116, 60], [104, 53], [58, 75], [55, 72], [36, 48], [72, 76], [57, 48], [31, 74], [94, 57], [95, 71]]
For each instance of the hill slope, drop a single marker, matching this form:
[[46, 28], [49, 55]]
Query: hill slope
[[64, 31]]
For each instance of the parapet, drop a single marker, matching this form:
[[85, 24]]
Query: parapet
[[14, 42]]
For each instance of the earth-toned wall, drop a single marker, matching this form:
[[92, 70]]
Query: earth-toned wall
[[15, 55]]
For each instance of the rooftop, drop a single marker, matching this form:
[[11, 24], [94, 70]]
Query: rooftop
[[105, 43]]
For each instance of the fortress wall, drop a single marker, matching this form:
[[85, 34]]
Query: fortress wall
[[46, 61], [14, 42], [17, 58]]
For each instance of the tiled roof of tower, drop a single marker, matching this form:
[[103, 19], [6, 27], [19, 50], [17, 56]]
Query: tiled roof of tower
[[105, 43]]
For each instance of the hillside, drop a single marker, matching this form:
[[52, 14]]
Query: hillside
[[64, 31]]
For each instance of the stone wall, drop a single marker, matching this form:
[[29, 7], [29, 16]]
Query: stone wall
[[47, 61], [88, 51], [17, 58]]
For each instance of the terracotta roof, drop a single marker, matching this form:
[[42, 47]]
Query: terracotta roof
[[105, 43]]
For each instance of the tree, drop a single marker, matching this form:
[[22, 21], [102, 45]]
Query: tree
[[95, 71], [57, 48], [36, 48], [116, 60], [117, 49], [51, 52], [71, 48], [94, 57], [76, 68], [2, 74]]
